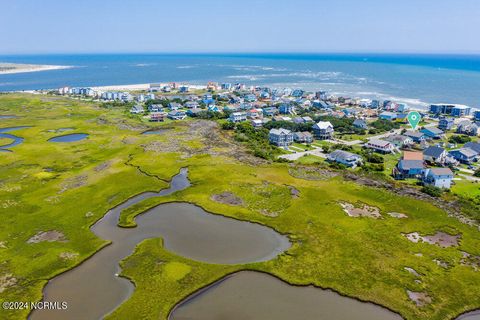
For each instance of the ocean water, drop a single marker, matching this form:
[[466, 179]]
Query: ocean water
[[414, 79]]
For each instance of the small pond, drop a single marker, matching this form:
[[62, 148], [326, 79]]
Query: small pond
[[69, 137]]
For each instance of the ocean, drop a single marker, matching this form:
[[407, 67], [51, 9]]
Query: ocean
[[417, 80]]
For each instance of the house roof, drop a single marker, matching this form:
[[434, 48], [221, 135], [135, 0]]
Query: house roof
[[441, 171], [388, 113], [412, 155], [378, 142], [469, 153], [344, 155], [433, 151], [435, 131], [475, 146], [411, 164], [414, 134], [397, 138], [323, 125], [280, 131]]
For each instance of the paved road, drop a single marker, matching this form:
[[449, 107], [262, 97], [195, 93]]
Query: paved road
[[294, 156]]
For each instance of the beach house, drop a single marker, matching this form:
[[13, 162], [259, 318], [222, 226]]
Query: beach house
[[346, 158], [238, 116], [464, 155], [380, 146], [446, 123], [416, 136], [387, 115], [137, 109], [435, 155], [323, 130], [280, 137], [303, 137], [360, 123], [400, 141], [438, 177], [286, 108], [432, 133]]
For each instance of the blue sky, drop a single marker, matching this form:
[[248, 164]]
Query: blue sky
[[53, 26]]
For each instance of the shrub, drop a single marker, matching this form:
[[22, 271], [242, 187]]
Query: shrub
[[432, 190]]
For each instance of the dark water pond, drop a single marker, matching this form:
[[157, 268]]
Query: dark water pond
[[254, 295], [69, 137], [188, 230], [157, 131]]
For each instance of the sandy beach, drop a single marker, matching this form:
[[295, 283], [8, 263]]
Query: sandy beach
[[137, 87], [11, 68]]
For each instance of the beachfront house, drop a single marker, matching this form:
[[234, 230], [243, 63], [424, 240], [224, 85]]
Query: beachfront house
[[461, 111], [280, 137], [380, 146], [238, 117], [303, 137], [438, 177], [348, 159], [137, 109], [464, 155], [432, 133], [323, 130], [476, 115], [454, 110], [435, 155], [446, 123]]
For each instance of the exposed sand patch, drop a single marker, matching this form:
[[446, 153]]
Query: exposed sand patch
[[49, 236], [364, 211], [7, 281], [441, 263], [420, 298], [103, 166], [227, 198], [470, 260], [412, 271], [397, 215], [442, 239], [68, 255], [73, 183], [3, 245]]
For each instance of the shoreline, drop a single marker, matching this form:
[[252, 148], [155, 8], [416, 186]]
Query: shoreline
[[139, 87], [13, 68]]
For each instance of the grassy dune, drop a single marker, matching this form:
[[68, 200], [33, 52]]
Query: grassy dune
[[67, 187]]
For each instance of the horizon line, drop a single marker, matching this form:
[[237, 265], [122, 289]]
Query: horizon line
[[243, 53]]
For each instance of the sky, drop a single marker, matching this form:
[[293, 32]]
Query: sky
[[114, 26]]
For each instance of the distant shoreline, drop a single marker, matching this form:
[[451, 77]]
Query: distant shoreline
[[12, 68]]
